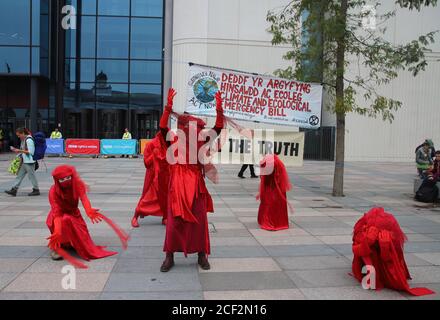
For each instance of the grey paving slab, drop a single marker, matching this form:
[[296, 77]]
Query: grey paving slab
[[314, 263], [318, 278], [48, 296], [300, 250], [161, 295], [245, 281], [146, 282]]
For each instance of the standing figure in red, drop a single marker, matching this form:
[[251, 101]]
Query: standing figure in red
[[154, 199], [67, 227], [188, 200], [274, 184], [378, 253]]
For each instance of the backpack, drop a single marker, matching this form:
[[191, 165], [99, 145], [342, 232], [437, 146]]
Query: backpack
[[40, 146], [428, 192]]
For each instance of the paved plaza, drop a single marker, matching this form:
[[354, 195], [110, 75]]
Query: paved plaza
[[312, 260]]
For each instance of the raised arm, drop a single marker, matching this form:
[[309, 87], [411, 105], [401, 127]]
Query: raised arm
[[220, 120], [163, 124]]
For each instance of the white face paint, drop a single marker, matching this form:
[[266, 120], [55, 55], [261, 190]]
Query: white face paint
[[65, 179]]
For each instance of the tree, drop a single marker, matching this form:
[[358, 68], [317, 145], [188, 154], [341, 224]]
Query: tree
[[326, 36]]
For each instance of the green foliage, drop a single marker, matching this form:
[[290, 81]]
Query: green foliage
[[315, 29]]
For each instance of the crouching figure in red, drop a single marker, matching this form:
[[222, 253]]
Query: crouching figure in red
[[274, 184], [67, 227], [378, 244], [188, 200], [154, 199]]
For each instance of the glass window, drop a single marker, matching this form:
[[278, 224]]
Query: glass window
[[15, 60], [89, 7], [87, 70], [114, 7], [88, 37], [15, 22], [147, 8], [36, 22], [113, 37], [71, 43], [35, 60], [70, 75], [145, 95], [146, 71], [112, 95], [112, 71], [146, 38]]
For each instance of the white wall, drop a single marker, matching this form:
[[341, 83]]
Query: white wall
[[419, 117], [229, 34], [233, 34]]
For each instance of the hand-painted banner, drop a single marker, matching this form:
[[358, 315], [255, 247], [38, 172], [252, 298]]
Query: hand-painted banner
[[252, 97], [82, 146], [236, 149], [55, 146], [118, 147]]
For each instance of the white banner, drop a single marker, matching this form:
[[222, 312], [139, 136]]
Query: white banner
[[252, 97], [236, 149]]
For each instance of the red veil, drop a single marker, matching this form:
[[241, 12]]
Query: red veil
[[64, 199], [378, 241]]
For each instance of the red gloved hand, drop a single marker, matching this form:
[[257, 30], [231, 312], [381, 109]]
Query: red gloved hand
[[219, 101], [94, 215], [54, 241], [372, 235], [171, 94]]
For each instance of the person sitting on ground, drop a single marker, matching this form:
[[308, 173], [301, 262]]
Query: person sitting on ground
[[434, 172], [423, 160], [431, 147]]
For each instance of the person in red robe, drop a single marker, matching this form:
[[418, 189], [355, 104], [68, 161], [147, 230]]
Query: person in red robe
[[188, 200], [274, 184], [67, 227], [378, 242], [154, 199]]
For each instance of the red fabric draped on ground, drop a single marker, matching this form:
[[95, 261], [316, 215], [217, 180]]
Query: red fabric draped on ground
[[74, 230], [154, 199], [67, 226], [378, 240], [272, 213]]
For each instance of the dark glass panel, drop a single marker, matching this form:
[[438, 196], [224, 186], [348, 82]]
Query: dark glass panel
[[88, 37], [15, 22], [146, 71], [113, 36], [114, 7], [16, 58], [146, 38], [113, 70], [147, 8]]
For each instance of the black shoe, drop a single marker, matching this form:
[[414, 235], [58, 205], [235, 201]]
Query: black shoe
[[254, 176], [203, 262], [35, 192], [12, 192], [241, 176], [167, 264]]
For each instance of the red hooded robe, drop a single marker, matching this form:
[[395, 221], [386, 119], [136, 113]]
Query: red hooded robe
[[378, 241], [65, 218], [274, 184]]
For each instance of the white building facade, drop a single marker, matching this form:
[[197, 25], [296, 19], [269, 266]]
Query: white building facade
[[233, 34]]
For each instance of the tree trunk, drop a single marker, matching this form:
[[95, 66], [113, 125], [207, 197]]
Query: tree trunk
[[338, 178]]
